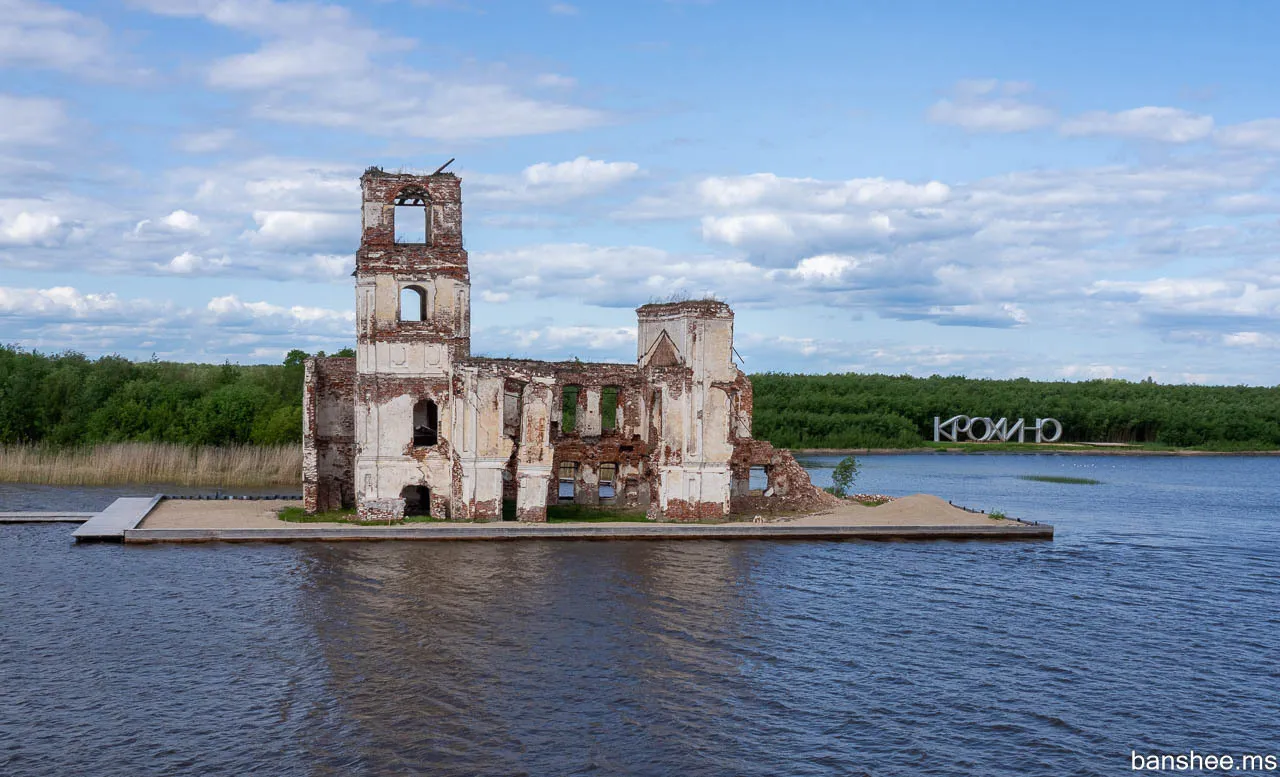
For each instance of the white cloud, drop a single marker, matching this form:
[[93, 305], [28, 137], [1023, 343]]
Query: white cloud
[[1169, 125], [553, 182], [283, 228], [760, 189], [230, 309], [991, 106], [44, 35], [63, 302], [30, 120], [1263, 134], [26, 229], [205, 142], [319, 65], [611, 276], [64, 317], [563, 9], [177, 223], [187, 263], [555, 81], [558, 342]]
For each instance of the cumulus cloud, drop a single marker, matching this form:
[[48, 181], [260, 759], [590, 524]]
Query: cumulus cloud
[[230, 310], [277, 228], [187, 263], [611, 276], [991, 106], [1168, 125], [66, 302], [1012, 250], [26, 229], [177, 224], [64, 317], [318, 65], [553, 182]]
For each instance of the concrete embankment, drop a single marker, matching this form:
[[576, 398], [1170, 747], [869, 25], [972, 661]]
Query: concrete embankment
[[157, 519], [914, 517]]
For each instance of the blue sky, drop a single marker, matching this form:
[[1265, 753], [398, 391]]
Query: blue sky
[[989, 189]]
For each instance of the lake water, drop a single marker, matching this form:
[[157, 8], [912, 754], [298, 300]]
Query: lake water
[[1151, 623]]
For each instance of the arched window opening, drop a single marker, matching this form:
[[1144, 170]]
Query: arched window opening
[[413, 217], [413, 303], [425, 421], [417, 500]]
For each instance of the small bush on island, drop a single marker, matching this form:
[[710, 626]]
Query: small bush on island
[[842, 477]]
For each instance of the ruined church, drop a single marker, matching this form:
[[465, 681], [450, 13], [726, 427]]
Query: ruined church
[[415, 424]]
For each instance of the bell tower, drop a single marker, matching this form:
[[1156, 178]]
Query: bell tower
[[413, 322]]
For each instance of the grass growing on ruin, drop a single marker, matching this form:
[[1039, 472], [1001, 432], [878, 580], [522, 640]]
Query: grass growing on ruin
[[298, 515], [1061, 479], [153, 462], [572, 513], [346, 515]]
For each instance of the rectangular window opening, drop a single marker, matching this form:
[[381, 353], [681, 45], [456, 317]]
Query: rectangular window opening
[[413, 224], [569, 409], [608, 481], [609, 408], [511, 412], [568, 473], [759, 479]]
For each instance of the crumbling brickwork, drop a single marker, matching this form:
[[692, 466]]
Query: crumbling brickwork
[[328, 440], [415, 424]]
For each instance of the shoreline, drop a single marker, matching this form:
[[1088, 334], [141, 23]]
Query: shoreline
[[1040, 450]]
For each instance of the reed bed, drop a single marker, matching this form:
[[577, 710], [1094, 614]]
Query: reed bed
[[145, 462]]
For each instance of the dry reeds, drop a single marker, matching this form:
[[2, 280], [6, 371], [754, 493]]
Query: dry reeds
[[145, 462]]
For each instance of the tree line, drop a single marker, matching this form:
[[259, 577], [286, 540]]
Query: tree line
[[887, 411], [68, 399]]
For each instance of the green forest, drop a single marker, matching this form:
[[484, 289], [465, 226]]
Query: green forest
[[69, 400], [885, 411]]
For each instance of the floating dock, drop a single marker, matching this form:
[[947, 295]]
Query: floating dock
[[110, 524], [45, 517]]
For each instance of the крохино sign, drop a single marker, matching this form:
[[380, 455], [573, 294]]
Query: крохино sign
[[986, 430]]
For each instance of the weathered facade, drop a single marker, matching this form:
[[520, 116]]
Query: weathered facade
[[414, 424]]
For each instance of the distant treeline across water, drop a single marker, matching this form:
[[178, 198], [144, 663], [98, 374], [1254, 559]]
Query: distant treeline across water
[[70, 400]]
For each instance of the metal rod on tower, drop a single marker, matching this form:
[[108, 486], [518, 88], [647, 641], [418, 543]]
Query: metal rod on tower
[[441, 168]]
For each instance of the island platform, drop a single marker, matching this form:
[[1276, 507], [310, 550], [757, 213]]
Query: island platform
[[917, 517]]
